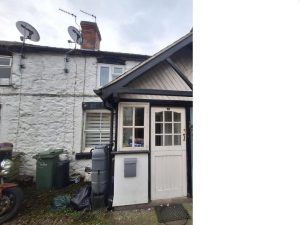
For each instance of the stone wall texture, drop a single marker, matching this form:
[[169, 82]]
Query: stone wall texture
[[43, 107]]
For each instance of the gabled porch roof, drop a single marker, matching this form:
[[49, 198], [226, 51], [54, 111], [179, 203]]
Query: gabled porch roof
[[126, 84]]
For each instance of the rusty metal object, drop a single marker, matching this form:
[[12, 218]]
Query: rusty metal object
[[6, 186]]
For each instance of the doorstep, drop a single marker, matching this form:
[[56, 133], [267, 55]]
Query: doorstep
[[154, 203]]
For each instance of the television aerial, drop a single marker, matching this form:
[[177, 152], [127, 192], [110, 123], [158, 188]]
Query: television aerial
[[75, 35], [89, 14], [28, 31]]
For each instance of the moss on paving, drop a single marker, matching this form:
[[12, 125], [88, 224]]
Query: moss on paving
[[36, 210]]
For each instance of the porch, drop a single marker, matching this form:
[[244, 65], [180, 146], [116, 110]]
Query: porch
[[153, 104]]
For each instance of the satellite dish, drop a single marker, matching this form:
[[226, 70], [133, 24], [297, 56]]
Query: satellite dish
[[75, 35], [28, 31]]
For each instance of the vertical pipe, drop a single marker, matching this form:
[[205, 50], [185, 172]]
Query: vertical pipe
[[149, 156], [188, 152], [109, 192], [116, 127]]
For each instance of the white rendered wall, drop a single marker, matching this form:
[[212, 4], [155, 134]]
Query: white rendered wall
[[131, 190], [50, 103], [130, 64]]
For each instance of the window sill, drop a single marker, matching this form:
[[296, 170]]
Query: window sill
[[83, 155]]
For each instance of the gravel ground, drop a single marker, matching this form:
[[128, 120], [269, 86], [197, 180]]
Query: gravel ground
[[36, 210]]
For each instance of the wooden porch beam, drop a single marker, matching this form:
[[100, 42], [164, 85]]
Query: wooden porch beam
[[179, 72], [154, 92]]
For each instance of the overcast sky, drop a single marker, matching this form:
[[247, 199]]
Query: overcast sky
[[134, 26]]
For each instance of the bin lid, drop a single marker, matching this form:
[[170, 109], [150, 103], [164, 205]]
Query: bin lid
[[51, 153], [6, 146]]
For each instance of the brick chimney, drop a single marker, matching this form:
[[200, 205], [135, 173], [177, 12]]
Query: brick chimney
[[91, 35]]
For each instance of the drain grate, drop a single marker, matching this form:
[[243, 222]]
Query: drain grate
[[171, 213]]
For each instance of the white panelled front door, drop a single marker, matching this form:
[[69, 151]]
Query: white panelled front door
[[168, 153]]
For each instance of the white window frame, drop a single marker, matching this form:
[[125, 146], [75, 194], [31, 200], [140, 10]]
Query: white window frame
[[84, 130], [120, 126], [111, 67], [6, 66]]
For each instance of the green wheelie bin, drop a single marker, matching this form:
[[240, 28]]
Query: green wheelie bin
[[46, 162]]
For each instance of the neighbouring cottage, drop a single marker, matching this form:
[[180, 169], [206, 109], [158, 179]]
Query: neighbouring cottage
[[152, 156], [47, 99]]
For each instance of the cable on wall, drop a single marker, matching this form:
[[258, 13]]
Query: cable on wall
[[84, 76], [65, 110], [20, 100], [74, 104]]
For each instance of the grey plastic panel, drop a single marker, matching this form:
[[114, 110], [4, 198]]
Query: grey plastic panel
[[130, 167]]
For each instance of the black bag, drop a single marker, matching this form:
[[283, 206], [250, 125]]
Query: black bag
[[82, 199]]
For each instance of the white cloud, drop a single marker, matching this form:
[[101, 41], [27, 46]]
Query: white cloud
[[126, 26]]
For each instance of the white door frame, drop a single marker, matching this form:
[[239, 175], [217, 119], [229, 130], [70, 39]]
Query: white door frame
[[168, 163]]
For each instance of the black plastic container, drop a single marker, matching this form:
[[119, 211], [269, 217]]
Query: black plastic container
[[99, 176], [99, 181], [98, 201], [62, 174]]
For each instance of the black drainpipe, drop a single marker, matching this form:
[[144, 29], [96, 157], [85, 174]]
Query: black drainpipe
[[110, 185]]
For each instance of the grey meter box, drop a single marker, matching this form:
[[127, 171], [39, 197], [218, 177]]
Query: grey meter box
[[130, 167]]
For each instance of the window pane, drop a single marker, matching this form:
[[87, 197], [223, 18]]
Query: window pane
[[168, 128], [104, 75], [5, 72], [127, 116], [92, 121], [105, 137], [177, 140], [139, 116], [159, 117], [105, 121], [92, 138], [158, 140], [177, 128], [168, 140], [158, 128], [5, 61], [127, 137], [177, 117], [139, 137], [168, 116], [118, 70]]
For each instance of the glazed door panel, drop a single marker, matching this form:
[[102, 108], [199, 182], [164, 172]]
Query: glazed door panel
[[168, 153]]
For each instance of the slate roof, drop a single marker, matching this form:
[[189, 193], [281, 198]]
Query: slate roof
[[14, 46]]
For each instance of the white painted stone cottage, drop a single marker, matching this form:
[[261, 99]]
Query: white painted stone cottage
[[48, 102]]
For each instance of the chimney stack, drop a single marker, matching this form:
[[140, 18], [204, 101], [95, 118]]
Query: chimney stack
[[91, 35]]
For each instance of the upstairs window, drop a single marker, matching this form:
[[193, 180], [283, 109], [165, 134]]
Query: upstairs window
[[108, 73], [5, 69]]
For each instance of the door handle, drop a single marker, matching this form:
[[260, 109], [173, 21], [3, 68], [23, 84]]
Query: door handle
[[184, 135]]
